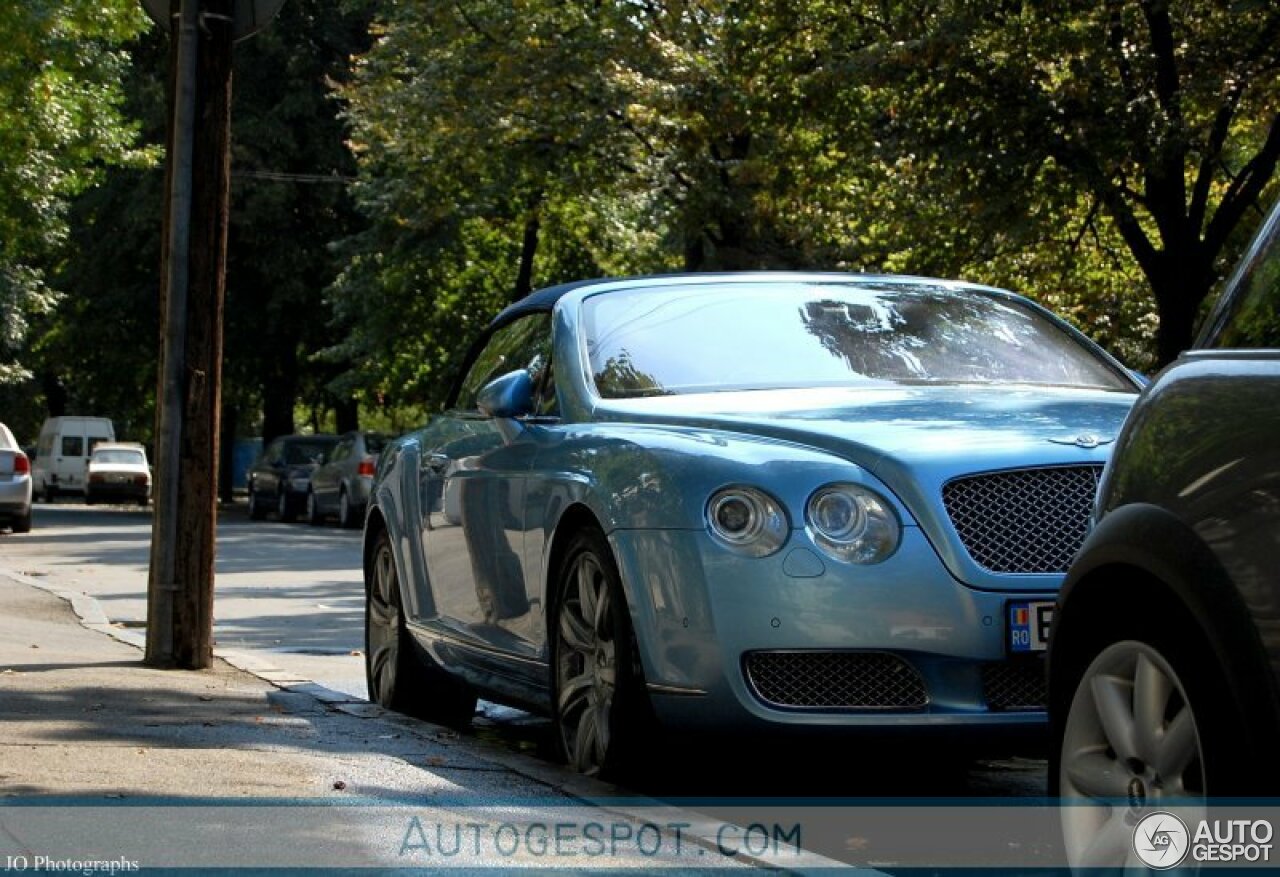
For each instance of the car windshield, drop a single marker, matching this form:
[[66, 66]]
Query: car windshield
[[134, 458], [301, 453], [755, 336]]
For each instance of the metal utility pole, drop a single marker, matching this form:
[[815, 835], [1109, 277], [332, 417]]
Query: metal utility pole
[[180, 585]]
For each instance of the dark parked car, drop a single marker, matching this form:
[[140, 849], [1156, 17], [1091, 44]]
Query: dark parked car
[[281, 478], [1165, 655], [341, 486], [747, 501]]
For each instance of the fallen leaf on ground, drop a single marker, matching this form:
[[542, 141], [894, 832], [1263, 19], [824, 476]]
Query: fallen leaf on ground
[[339, 785]]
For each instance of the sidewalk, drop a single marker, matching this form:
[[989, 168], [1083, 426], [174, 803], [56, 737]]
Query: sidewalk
[[103, 760]]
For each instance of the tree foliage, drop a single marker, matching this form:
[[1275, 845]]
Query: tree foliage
[[1106, 158], [60, 125]]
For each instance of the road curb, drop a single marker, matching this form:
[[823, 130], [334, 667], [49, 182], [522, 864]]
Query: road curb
[[611, 799]]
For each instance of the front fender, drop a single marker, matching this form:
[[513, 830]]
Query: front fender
[[660, 477]]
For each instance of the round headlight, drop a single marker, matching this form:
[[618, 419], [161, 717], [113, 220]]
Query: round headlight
[[851, 523], [747, 520]]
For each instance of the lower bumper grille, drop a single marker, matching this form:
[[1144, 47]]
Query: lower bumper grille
[[835, 680], [1015, 685]]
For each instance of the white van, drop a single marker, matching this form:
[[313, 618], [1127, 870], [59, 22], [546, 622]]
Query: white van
[[62, 453]]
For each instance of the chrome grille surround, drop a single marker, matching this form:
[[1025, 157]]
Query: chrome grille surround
[[1023, 520], [834, 680], [1016, 685]]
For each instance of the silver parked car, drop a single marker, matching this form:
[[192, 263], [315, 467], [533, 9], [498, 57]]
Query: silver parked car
[[341, 486], [15, 484]]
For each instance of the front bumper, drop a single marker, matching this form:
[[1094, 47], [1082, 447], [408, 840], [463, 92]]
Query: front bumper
[[710, 623]]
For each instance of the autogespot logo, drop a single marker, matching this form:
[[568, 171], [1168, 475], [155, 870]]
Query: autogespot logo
[[1161, 840]]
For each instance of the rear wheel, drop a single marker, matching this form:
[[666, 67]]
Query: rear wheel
[[399, 674], [601, 709], [346, 514], [22, 524]]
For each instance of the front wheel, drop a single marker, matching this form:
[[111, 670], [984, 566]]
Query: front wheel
[[257, 511], [601, 709], [1131, 742], [399, 675], [284, 508], [314, 516]]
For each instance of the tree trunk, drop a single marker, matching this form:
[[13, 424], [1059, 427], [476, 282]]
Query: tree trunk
[[347, 414], [279, 390], [1181, 282]]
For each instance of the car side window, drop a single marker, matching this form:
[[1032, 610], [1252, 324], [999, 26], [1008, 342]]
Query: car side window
[[526, 343], [341, 452], [1252, 316], [72, 446]]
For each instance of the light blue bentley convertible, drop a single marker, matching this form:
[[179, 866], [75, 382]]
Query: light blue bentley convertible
[[741, 502]]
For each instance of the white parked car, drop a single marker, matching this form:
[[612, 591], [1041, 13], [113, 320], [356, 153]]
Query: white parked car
[[15, 484], [118, 470]]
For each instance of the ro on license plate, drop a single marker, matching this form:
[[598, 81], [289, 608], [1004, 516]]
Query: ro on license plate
[[1029, 622]]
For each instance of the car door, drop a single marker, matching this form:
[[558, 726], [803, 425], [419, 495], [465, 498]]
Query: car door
[[472, 483], [328, 477]]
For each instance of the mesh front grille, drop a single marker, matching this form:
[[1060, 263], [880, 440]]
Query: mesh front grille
[[835, 680], [1023, 521], [1015, 685]]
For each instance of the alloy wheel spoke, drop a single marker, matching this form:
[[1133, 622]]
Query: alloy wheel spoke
[[1113, 699], [587, 588], [574, 632], [1151, 691], [1097, 776], [601, 622], [584, 747], [1178, 747], [574, 694], [1111, 844], [602, 730]]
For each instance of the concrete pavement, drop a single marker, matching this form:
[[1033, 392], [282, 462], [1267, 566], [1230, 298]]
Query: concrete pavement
[[151, 765]]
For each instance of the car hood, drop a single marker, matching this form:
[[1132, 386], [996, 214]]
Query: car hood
[[915, 439], [919, 425]]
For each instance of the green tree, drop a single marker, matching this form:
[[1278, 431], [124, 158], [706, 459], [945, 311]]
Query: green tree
[[1155, 123], [60, 125]]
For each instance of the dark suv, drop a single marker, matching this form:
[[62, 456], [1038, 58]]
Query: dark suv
[[1165, 655]]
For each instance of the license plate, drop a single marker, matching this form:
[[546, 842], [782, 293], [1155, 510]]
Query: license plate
[[1029, 622]]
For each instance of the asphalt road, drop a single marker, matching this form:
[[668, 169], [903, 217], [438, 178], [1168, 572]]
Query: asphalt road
[[292, 594]]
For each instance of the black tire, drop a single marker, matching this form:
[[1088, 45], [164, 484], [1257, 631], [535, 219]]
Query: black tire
[[257, 511], [285, 511], [347, 517], [1216, 761], [601, 723], [399, 675], [314, 516], [22, 524]]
